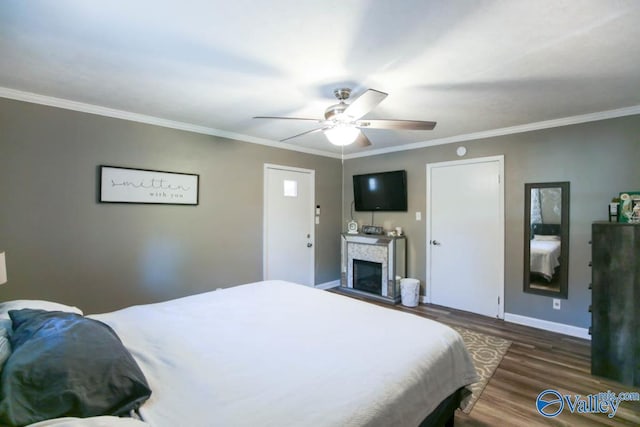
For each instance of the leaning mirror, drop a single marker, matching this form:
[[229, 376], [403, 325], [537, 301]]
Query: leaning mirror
[[546, 239]]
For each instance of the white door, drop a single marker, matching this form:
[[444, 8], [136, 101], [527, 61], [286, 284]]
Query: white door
[[289, 215], [465, 235]]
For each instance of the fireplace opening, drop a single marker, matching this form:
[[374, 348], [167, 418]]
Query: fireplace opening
[[367, 276]]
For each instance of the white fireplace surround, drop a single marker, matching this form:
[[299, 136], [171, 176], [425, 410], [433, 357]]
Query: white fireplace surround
[[371, 253], [388, 251]]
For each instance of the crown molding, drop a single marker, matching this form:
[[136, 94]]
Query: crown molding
[[547, 124], [82, 107], [172, 124]]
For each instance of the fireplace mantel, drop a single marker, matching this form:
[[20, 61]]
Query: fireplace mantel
[[389, 251]]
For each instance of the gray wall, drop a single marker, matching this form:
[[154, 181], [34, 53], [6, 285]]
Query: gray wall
[[600, 159], [64, 246]]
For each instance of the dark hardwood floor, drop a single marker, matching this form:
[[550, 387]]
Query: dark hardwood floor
[[536, 361]]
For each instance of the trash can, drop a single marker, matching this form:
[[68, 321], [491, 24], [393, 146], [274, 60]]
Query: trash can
[[410, 292]]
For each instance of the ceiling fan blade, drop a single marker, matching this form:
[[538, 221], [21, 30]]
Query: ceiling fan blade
[[304, 133], [362, 140], [396, 124], [364, 103], [288, 118]]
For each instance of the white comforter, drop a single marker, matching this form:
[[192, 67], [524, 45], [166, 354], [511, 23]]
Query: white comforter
[[104, 421], [280, 354], [544, 257]]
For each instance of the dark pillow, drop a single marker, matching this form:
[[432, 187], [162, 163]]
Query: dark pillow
[[66, 365], [545, 229]]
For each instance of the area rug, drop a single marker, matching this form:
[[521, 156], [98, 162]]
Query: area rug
[[487, 352]]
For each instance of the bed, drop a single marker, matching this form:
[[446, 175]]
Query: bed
[[275, 353], [545, 255], [545, 250]]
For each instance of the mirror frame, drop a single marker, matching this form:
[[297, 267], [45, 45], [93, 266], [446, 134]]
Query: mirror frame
[[563, 293]]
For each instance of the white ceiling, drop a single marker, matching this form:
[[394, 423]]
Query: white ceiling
[[472, 66]]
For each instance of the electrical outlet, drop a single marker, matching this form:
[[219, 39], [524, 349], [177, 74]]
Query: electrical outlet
[[556, 304]]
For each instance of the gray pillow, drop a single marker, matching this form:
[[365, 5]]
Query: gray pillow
[[65, 365]]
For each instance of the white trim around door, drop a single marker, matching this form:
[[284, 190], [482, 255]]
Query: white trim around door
[[308, 221]]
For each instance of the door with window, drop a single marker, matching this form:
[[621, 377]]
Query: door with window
[[289, 215]]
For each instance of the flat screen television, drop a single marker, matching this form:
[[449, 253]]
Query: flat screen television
[[381, 191]]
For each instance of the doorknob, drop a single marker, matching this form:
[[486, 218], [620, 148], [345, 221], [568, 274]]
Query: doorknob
[[309, 245], [435, 243]]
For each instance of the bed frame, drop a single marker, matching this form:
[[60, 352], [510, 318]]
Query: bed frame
[[444, 413]]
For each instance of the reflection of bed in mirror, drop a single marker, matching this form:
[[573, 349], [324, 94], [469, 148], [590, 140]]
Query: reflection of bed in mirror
[[545, 249]]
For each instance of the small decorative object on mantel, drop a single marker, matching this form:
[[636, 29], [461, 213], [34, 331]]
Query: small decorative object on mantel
[[372, 229], [629, 209], [613, 209], [127, 185]]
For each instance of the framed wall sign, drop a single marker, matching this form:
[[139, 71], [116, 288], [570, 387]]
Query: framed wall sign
[[629, 209], [127, 185]]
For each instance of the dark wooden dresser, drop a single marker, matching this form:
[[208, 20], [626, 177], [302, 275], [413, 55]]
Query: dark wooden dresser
[[615, 308]]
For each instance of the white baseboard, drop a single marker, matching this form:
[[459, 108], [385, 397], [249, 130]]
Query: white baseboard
[[328, 285], [560, 328], [546, 325]]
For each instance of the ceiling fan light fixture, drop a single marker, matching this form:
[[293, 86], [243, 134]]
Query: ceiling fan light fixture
[[342, 134], [342, 122]]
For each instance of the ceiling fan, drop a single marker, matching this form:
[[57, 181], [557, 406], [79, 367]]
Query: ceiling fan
[[342, 122]]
